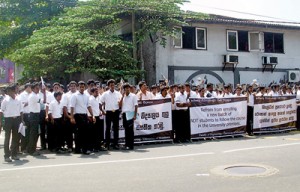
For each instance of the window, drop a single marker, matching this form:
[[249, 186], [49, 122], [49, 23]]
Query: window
[[232, 41], [273, 43], [200, 38], [190, 38], [177, 41], [237, 40], [256, 41]]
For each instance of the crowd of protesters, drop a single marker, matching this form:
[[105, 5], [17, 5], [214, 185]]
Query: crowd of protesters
[[72, 121]]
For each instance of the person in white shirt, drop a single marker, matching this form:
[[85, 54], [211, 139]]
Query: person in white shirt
[[110, 100], [69, 128], [210, 93], [188, 92], [163, 93], [11, 108], [96, 128], [238, 92], [182, 121], [23, 97], [202, 93], [55, 118], [227, 91], [79, 107], [143, 94], [274, 91], [250, 99], [129, 105], [34, 109], [90, 85]]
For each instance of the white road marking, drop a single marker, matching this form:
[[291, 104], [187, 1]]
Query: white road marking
[[107, 162], [202, 175], [261, 147]]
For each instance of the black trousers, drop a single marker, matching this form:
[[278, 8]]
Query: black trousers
[[174, 125], [25, 140], [129, 132], [11, 127], [43, 134], [33, 132], [68, 131], [249, 127], [298, 117], [97, 133], [57, 133], [182, 124], [82, 133], [112, 117], [51, 136]]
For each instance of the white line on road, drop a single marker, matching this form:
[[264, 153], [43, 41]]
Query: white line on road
[[106, 162], [261, 147]]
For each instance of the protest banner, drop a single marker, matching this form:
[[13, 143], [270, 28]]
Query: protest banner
[[274, 114], [218, 117], [153, 123]]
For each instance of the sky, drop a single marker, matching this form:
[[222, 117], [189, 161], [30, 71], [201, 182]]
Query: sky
[[270, 10]]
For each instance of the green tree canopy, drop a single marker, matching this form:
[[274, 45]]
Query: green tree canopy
[[84, 38], [19, 18]]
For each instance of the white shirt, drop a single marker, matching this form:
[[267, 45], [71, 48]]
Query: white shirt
[[227, 95], [34, 103], [213, 94], [181, 98], [161, 97], [146, 96], [94, 104], [87, 92], [42, 104], [193, 94], [66, 100], [111, 100], [251, 100], [55, 109], [241, 95], [129, 103], [79, 102], [11, 107], [23, 98]]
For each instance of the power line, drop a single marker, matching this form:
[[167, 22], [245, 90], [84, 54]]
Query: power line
[[241, 12]]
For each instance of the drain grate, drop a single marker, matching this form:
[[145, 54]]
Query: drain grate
[[244, 170]]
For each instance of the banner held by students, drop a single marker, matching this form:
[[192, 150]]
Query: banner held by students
[[273, 114], [154, 122], [218, 117]]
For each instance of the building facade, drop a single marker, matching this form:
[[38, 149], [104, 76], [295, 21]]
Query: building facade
[[228, 50]]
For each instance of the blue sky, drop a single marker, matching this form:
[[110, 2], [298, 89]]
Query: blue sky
[[273, 10]]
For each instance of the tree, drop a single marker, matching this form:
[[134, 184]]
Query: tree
[[19, 18], [84, 38]]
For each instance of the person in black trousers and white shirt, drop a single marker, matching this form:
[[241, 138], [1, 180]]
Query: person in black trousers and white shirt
[[55, 117], [11, 108], [110, 99], [129, 105], [79, 108], [34, 102]]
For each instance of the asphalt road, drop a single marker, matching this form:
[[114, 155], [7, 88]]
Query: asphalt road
[[162, 167]]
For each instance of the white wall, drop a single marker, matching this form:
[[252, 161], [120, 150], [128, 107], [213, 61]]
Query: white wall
[[216, 48]]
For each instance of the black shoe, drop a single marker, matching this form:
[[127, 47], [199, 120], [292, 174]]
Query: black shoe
[[35, 153], [116, 147], [7, 159], [103, 149], [16, 158], [128, 148], [86, 153]]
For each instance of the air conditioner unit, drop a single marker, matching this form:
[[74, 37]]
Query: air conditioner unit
[[269, 60], [294, 76], [231, 59]]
